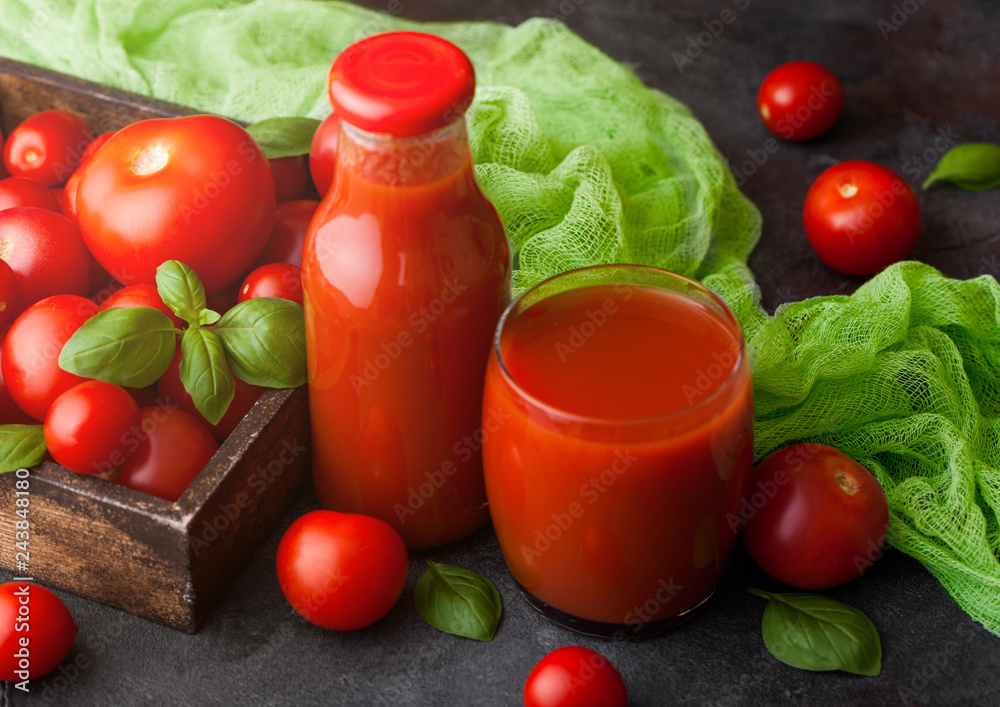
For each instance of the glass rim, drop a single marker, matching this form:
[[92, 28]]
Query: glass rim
[[602, 421]]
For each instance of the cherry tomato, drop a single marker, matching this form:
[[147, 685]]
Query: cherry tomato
[[291, 177], [291, 221], [574, 676], [10, 413], [170, 391], [47, 147], [225, 299], [18, 191], [800, 100], [86, 427], [73, 183], [8, 292], [274, 280], [169, 448], [30, 355], [46, 253], [815, 517], [33, 649], [196, 189], [323, 153], [341, 571], [141, 296], [861, 217]]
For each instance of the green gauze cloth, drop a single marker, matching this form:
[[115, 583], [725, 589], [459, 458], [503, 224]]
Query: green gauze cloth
[[586, 165]]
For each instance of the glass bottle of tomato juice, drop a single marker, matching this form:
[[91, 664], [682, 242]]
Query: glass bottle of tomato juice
[[406, 271]]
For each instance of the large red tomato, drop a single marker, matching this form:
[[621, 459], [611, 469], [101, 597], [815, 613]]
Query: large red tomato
[[196, 189], [46, 253], [30, 355]]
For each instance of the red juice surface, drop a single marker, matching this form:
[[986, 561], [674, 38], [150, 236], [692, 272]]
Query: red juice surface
[[405, 274], [614, 484]]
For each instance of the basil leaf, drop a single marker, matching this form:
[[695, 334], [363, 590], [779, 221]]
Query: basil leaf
[[181, 290], [284, 137], [458, 601], [208, 316], [21, 446], [814, 632], [205, 373], [130, 346], [974, 166], [265, 339]]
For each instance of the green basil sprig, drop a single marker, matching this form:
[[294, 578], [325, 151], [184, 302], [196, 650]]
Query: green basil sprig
[[284, 137], [458, 601], [974, 166], [261, 341], [21, 446], [814, 632]]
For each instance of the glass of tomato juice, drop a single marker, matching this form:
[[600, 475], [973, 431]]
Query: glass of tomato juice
[[619, 412]]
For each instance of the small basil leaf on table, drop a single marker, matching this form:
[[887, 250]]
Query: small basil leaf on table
[[205, 374], [814, 632], [265, 340], [284, 137], [130, 346], [21, 446], [458, 601], [974, 166], [181, 290]]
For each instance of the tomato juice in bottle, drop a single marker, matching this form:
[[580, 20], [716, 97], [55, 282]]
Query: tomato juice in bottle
[[405, 273], [615, 483]]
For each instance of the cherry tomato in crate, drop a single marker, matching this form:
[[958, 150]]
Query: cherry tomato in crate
[[18, 191], [169, 448], [291, 222], [8, 292], [141, 296], [196, 189], [323, 153], [87, 427], [47, 147], [30, 355], [73, 183], [291, 177], [275, 280]]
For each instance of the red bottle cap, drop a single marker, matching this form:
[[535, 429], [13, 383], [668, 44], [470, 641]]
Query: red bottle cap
[[401, 83]]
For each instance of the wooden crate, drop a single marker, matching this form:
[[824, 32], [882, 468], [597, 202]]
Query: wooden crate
[[167, 562]]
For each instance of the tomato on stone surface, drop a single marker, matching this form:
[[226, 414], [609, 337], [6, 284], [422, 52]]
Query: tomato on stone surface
[[291, 177], [29, 653], [141, 296], [168, 448], [861, 217], [170, 391], [800, 100], [18, 191], [73, 183], [574, 676], [30, 354], [275, 280], [341, 571], [47, 147], [196, 189], [323, 153], [46, 253], [816, 518], [291, 222], [87, 427], [8, 292]]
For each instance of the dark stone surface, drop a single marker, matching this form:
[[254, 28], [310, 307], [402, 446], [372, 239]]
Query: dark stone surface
[[940, 71]]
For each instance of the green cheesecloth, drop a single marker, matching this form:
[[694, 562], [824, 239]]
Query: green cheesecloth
[[586, 165]]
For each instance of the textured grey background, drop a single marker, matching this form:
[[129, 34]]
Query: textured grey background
[[940, 71]]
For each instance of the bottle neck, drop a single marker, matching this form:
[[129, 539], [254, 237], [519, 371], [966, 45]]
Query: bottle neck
[[393, 161]]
